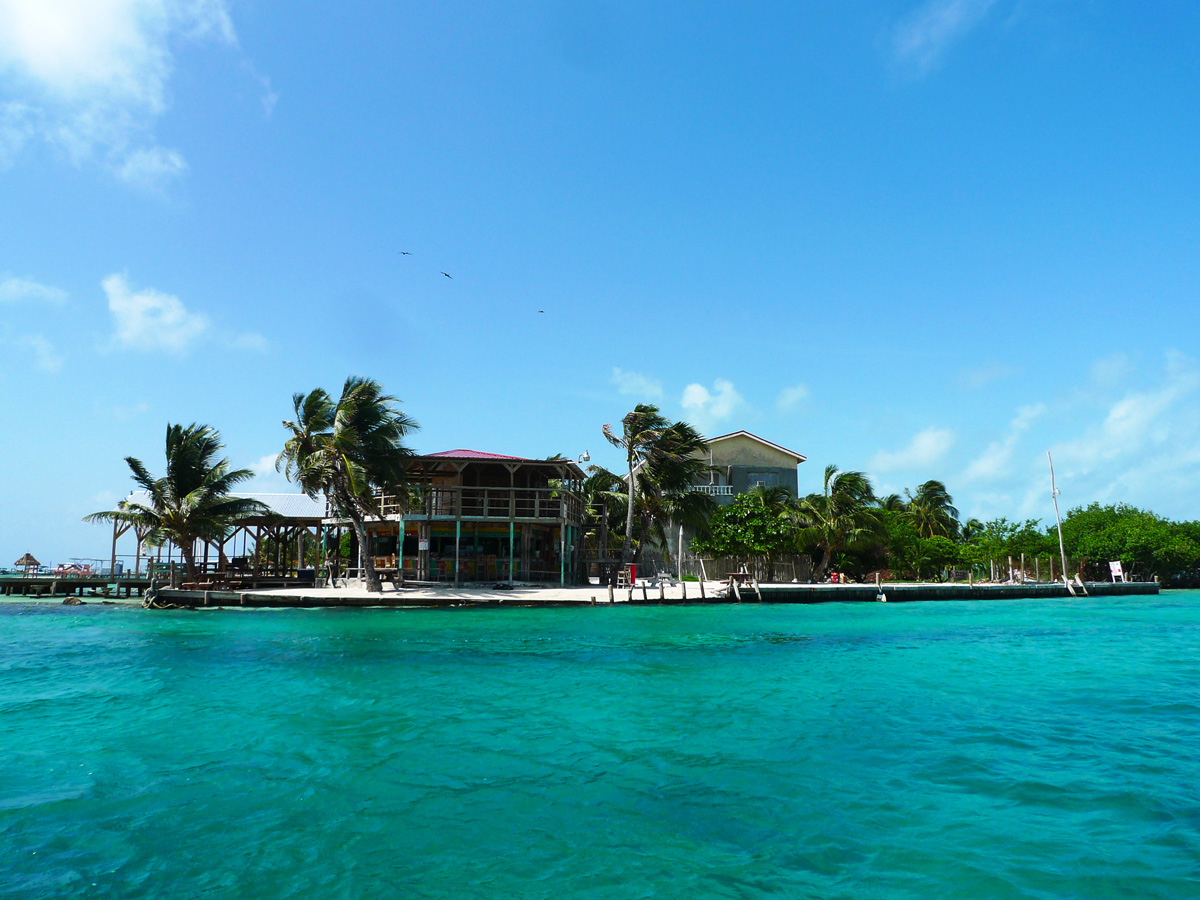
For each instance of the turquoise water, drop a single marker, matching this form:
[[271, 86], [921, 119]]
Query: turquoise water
[[948, 750]]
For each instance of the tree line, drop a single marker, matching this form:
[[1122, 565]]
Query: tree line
[[349, 448]]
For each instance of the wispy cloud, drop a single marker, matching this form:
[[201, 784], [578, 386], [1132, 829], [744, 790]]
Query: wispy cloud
[[924, 450], [993, 463], [1110, 371], [90, 77], [26, 290], [922, 36], [707, 408], [250, 341], [151, 320], [1138, 420], [791, 398], [983, 375], [266, 478], [46, 357], [635, 384]]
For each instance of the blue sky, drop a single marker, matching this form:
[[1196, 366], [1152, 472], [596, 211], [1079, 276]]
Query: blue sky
[[922, 239]]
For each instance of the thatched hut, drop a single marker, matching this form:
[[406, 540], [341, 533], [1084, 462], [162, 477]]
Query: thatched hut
[[28, 563]]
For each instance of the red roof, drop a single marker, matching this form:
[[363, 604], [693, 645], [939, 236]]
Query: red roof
[[475, 454]]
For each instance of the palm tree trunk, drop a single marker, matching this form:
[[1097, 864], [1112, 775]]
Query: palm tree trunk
[[360, 530], [189, 560], [628, 515], [368, 564], [825, 557]]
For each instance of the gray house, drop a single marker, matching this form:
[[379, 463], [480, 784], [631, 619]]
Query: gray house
[[740, 460]]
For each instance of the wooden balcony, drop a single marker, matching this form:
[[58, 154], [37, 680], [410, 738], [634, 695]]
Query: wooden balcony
[[484, 503]]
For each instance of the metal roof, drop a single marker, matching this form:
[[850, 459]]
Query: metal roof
[[475, 454], [290, 506]]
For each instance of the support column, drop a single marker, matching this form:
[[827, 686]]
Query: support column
[[400, 554], [511, 539], [457, 540], [562, 553]]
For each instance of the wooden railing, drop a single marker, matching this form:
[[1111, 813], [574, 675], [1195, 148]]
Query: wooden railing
[[455, 501]]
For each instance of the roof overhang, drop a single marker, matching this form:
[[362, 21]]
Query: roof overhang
[[754, 437]]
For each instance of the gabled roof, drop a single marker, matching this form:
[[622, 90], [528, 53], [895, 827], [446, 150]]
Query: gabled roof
[[475, 454], [754, 437]]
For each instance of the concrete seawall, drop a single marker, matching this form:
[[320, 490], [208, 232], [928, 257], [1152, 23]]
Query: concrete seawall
[[584, 596]]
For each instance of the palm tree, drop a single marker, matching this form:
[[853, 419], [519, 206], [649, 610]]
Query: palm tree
[[665, 484], [641, 430], [346, 450], [193, 501], [844, 516], [931, 511]]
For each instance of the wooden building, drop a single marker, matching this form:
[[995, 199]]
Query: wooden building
[[474, 517]]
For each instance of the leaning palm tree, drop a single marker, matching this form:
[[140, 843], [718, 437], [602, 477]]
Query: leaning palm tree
[[666, 486], [640, 430], [347, 450], [931, 511], [844, 516], [664, 460], [193, 501]]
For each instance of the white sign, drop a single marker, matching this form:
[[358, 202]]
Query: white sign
[[1115, 568], [423, 544]]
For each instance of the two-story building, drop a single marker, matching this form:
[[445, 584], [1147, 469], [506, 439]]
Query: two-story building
[[471, 516], [739, 461]]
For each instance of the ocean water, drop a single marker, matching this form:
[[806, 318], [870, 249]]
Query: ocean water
[[951, 750]]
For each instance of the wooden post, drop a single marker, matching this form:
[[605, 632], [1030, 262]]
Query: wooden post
[[662, 591], [737, 593], [644, 597], [702, 597], [457, 538], [400, 554], [757, 590], [610, 592], [683, 585], [1037, 568]]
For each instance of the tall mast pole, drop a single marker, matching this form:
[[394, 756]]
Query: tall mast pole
[[1054, 495]]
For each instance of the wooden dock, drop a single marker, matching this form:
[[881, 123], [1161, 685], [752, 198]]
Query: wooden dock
[[72, 585]]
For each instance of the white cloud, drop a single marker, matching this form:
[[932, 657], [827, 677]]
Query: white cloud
[[250, 341], [635, 384], [982, 376], [1139, 420], [922, 36], [151, 167], [149, 319], [46, 358], [791, 398], [994, 461], [90, 77], [925, 449], [267, 479], [16, 290], [125, 413], [1110, 371], [710, 407]]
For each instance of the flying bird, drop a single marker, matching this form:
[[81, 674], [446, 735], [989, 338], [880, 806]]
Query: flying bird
[[447, 274], [405, 253], [541, 310]]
